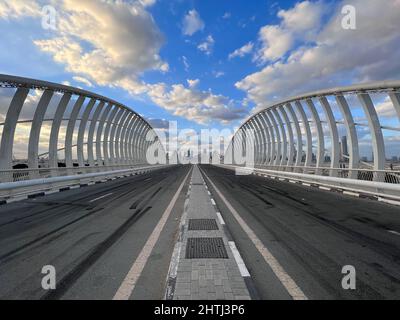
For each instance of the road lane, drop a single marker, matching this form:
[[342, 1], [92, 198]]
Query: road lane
[[313, 234], [91, 244]]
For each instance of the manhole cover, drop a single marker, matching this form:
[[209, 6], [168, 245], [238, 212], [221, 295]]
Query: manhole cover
[[206, 248], [203, 224]]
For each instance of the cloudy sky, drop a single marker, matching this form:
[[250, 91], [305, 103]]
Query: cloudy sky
[[203, 63]]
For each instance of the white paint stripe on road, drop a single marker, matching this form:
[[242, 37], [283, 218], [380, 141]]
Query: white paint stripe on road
[[394, 202], [239, 261], [106, 195], [213, 202], [394, 232], [349, 193], [325, 188], [292, 288], [129, 283], [221, 220]]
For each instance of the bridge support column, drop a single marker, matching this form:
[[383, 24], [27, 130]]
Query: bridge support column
[[378, 143], [34, 135], [55, 130], [334, 135]]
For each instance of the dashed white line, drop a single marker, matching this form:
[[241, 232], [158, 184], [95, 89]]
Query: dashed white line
[[106, 195], [394, 202], [239, 261], [292, 288], [128, 284], [213, 202], [349, 193], [221, 220], [325, 188]]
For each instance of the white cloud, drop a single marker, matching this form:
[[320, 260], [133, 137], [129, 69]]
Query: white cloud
[[302, 21], [218, 74], [193, 83], [386, 109], [275, 43], [124, 42], [147, 3], [185, 63], [207, 46], [226, 15], [192, 23], [195, 105], [241, 52], [18, 9], [334, 55], [304, 16], [83, 80]]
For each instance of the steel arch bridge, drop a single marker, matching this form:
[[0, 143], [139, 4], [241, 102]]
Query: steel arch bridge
[[282, 134], [115, 137]]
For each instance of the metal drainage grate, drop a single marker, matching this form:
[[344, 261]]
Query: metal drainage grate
[[206, 248], [203, 224]]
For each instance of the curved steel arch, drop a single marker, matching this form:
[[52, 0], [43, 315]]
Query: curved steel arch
[[116, 132], [277, 125]]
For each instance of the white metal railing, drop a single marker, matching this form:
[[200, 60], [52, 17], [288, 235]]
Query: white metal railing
[[15, 175], [363, 183], [387, 176]]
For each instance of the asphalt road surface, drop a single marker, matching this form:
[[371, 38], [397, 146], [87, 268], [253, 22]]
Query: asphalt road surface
[[312, 233], [91, 235]]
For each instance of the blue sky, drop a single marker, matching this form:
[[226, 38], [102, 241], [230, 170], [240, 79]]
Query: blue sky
[[202, 63]]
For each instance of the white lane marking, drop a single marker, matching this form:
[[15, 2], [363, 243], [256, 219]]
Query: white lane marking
[[128, 284], [221, 220], [292, 288], [209, 193], [106, 195], [349, 193], [213, 202], [394, 232], [325, 188], [394, 202], [239, 261], [306, 184]]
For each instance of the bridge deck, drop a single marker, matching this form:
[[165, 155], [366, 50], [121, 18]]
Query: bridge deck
[[122, 237]]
